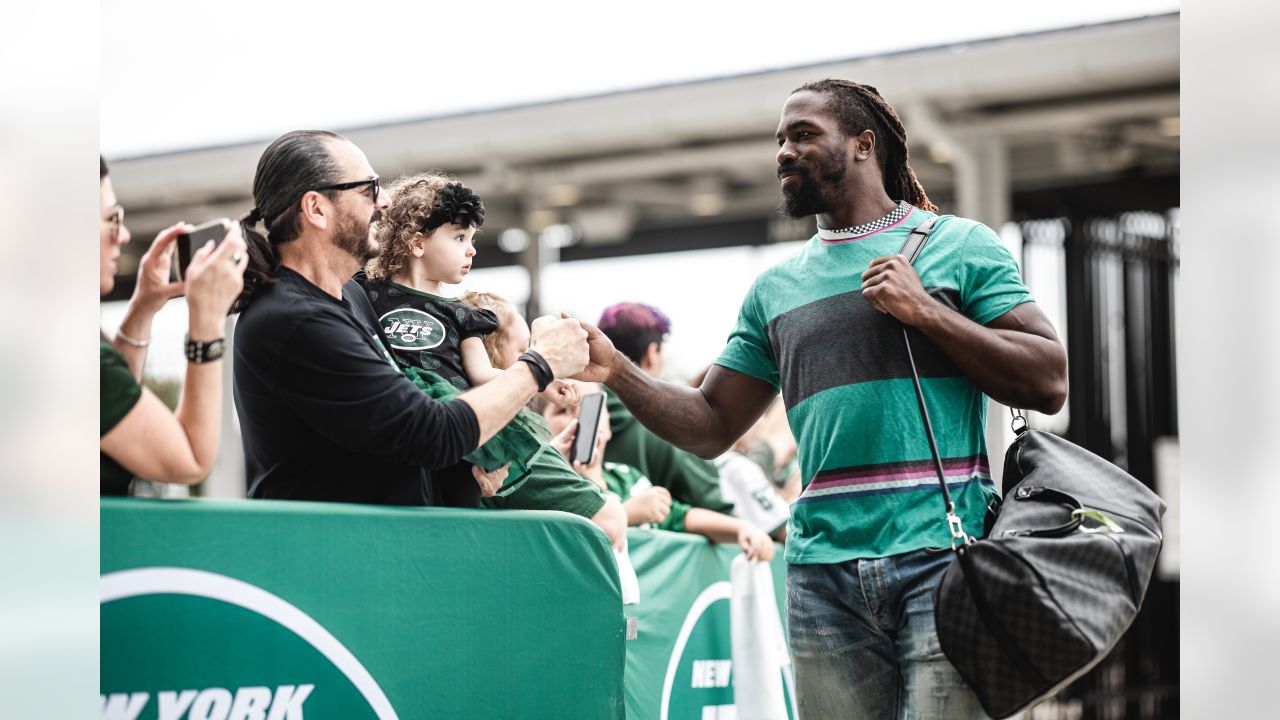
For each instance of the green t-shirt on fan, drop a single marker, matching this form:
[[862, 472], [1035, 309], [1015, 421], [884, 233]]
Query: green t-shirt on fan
[[870, 489], [623, 480], [118, 393], [689, 478]]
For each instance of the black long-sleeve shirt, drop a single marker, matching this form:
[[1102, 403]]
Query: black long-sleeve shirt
[[325, 414]]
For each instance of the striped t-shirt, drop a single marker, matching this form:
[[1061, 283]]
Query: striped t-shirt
[[869, 485]]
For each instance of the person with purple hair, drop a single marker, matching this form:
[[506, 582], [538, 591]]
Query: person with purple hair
[[637, 331]]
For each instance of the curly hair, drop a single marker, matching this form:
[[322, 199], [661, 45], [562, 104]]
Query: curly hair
[[494, 342], [419, 204]]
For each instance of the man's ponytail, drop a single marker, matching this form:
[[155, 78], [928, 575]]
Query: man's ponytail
[[264, 261], [292, 165]]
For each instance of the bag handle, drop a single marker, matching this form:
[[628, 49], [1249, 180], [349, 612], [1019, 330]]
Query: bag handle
[[911, 249]]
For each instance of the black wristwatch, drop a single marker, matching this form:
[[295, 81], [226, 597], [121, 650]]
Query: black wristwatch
[[203, 352]]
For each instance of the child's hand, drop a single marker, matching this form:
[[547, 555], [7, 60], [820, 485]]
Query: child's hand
[[490, 483], [649, 506], [561, 392], [754, 543]]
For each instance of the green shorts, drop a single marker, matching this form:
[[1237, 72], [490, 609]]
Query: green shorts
[[552, 485]]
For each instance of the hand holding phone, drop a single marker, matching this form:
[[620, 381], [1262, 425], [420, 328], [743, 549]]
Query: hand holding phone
[[189, 243], [214, 279], [584, 442], [155, 284]]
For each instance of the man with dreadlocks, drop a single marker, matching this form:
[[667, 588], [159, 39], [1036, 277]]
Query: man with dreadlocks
[[823, 326]]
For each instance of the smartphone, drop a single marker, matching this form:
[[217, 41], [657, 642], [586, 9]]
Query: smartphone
[[189, 243], [584, 442]]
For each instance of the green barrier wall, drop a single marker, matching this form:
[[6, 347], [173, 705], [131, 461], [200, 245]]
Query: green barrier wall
[[678, 665], [266, 610]]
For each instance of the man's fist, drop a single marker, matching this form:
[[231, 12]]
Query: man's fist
[[562, 342], [892, 286]]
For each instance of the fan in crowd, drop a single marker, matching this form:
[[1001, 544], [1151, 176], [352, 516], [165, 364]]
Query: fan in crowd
[[140, 437], [638, 331], [648, 505]]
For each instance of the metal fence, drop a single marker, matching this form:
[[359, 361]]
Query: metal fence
[[1114, 296]]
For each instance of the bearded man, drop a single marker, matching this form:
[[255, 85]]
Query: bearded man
[[867, 539], [325, 413]]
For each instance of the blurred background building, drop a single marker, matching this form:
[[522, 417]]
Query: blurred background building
[[1065, 140]]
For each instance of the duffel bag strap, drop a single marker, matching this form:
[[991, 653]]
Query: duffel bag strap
[[911, 249]]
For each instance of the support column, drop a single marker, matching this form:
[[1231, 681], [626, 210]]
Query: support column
[[983, 193], [532, 261], [227, 479]]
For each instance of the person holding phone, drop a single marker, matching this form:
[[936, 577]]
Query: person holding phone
[[639, 331], [140, 437], [646, 504]]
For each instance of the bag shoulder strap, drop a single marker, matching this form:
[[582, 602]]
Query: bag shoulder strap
[[911, 249], [915, 241]]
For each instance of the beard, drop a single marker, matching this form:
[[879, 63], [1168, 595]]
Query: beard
[[353, 237], [810, 196]]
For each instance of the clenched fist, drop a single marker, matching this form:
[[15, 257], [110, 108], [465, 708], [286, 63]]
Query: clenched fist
[[562, 342], [892, 286]]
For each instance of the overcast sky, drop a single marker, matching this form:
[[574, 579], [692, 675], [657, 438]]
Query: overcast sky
[[179, 75]]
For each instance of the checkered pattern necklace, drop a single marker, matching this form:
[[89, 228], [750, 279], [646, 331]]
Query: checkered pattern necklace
[[894, 217]]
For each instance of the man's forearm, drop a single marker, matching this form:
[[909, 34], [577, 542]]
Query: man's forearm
[[1015, 364], [678, 414], [498, 400]]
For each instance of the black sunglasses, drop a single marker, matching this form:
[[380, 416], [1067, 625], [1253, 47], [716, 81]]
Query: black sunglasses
[[374, 189]]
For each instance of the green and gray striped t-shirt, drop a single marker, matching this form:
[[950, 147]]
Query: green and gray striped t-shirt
[[870, 489]]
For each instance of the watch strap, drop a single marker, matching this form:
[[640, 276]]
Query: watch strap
[[203, 352]]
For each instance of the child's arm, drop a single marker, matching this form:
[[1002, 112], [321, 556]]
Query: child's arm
[[475, 362], [728, 529]]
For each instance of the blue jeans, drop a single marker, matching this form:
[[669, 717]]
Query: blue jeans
[[863, 642]]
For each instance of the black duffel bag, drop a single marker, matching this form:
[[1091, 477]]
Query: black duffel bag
[[1061, 574], [1058, 580]]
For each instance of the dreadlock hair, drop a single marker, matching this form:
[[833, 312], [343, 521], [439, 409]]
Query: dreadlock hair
[[495, 343], [859, 107], [292, 165], [632, 326], [420, 204]]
